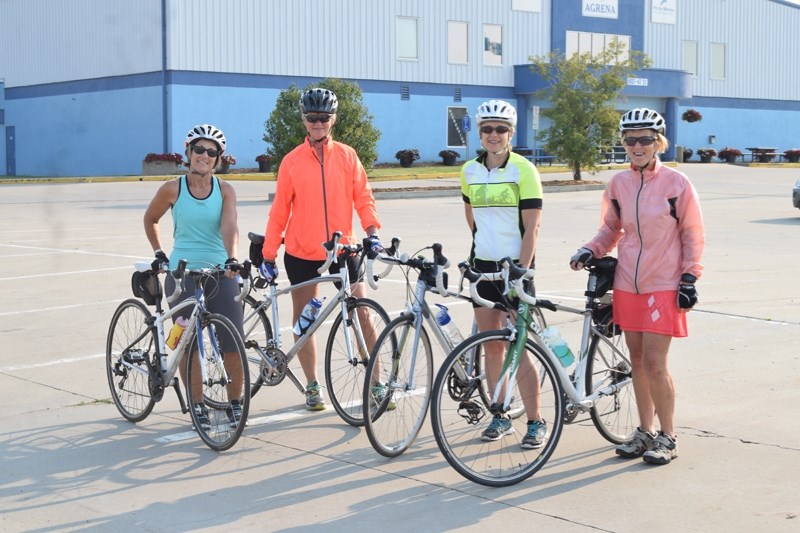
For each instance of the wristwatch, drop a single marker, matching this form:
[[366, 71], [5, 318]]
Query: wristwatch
[[688, 278]]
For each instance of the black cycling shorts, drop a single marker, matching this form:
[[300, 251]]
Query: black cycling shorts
[[300, 270]]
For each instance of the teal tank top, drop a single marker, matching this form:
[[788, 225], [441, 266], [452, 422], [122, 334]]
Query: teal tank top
[[196, 228]]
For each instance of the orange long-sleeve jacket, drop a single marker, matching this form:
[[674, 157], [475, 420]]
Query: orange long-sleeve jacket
[[315, 197], [653, 218]]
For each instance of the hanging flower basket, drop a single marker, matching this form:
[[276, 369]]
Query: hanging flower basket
[[692, 115]]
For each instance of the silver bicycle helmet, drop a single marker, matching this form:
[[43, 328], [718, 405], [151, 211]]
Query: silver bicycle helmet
[[642, 118], [496, 110], [206, 131], [318, 101]]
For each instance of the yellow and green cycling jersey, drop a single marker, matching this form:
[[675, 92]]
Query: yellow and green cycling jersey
[[497, 197]]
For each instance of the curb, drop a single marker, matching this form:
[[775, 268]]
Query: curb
[[455, 192]]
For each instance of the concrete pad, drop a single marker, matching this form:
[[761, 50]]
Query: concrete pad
[[70, 462]]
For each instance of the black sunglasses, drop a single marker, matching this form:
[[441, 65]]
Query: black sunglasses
[[313, 119], [644, 141], [488, 130], [200, 150]]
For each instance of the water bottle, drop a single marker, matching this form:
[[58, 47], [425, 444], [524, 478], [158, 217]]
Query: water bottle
[[448, 326], [307, 317], [176, 332], [559, 346]]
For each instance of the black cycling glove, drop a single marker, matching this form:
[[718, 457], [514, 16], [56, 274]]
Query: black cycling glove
[[160, 260], [687, 292]]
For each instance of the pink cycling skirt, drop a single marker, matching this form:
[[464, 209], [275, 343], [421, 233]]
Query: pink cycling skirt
[[655, 312]]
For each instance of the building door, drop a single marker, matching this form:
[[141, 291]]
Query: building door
[[11, 160]]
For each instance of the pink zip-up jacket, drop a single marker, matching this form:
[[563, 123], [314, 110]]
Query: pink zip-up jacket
[[654, 219]]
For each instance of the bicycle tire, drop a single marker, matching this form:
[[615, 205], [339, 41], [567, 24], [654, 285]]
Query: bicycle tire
[[222, 433], [393, 421], [128, 361], [344, 378], [459, 417], [615, 416], [257, 333]]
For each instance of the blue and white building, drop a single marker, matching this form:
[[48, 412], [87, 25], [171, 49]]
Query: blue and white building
[[88, 87]]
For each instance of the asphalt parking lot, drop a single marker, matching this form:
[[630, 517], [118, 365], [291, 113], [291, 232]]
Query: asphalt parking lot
[[71, 463]]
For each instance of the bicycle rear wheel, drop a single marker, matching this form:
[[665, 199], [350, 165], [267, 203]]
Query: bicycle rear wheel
[[459, 416], [130, 349], [396, 397], [344, 377], [257, 333], [614, 414], [219, 430]]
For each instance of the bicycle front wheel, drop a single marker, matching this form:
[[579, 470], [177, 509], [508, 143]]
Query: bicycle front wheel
[[130, 350], [460, 416], [223, 377], [608, 370], [346, 362], [257, 333], [398, 388]]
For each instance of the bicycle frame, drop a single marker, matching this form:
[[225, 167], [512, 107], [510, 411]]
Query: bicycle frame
[[169, 360], [519, 334], [270, 300]]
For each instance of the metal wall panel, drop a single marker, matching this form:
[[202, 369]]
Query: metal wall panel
[[352, 39], [50, 41], [759, 40]]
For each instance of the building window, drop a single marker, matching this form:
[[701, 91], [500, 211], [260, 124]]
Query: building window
[[407, 37], [531, 6], [717, 61], [457, 42], [690, 57], [492, 44], [456, 135], [579, 42]]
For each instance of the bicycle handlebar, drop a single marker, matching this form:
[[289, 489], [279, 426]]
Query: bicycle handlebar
[[512, 275], [178, 273], [389, 257]]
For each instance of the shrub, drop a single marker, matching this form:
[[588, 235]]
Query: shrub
[[228, 159], [449, 153], [263, 158], [284, 128]]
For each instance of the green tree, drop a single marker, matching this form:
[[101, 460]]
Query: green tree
[[284, 128], [581, 91]]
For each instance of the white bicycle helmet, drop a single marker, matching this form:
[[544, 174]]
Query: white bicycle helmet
[[496, 110], [206, 131], [642, 118]]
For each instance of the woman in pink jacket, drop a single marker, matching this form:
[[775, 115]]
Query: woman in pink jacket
[[651, 214]]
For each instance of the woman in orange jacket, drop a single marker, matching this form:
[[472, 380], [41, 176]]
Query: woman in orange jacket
[[651, 214], [319, 185]]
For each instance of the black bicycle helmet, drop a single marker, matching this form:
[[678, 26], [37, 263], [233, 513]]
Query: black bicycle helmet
[[318, 101]]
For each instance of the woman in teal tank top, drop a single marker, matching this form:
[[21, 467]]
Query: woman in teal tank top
[[206, 234]]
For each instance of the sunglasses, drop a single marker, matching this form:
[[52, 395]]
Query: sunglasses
[[644, 141], [200, 150], [488, 130], [313, 119]]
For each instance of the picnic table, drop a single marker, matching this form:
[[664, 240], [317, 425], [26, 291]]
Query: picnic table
[[762, 155]]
